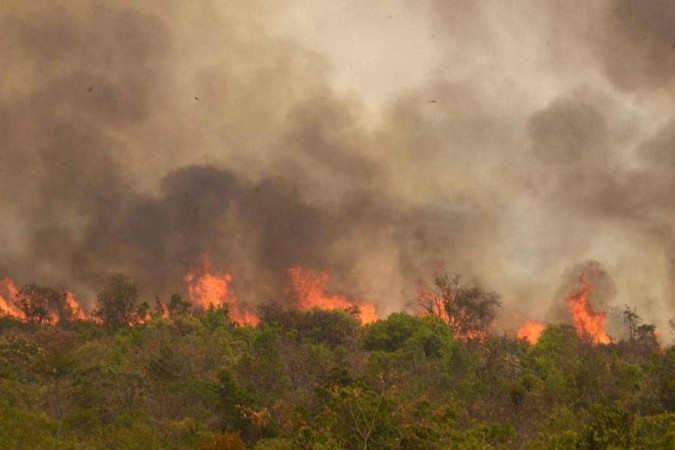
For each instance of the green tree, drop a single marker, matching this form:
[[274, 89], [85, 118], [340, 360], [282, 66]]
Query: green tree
[[178, 306], [362, 416], [222, 441], [329, 327], [607, 428], [55, 368], [118, 302], [549, 368], [401, 330]]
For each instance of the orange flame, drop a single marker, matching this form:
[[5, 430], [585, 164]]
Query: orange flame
[[75, 308], [531, 331], [588, 322], [8, 304], [8, 300], [311, 288], [10, 287], [432, 304], [206, 287]]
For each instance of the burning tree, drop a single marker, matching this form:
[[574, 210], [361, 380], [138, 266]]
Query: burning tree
[[589, 322], [37, 302], [632, 321], [209, 287], [642, 337], [311, 288], [40, 304], [469, 311]]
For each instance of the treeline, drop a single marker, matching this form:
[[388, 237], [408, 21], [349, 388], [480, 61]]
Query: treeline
[[318, 379]]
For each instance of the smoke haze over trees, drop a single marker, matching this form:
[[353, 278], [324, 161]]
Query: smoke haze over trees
[[222, 218], [523, 140]]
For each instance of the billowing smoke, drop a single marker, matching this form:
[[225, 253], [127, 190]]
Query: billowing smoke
[[140, 138]]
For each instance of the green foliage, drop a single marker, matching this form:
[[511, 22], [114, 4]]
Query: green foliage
[[607, 428], [222, 441], [319, 380], [178, 306], [329, 327], [215, 318], [663, 373], [361, 417], [23, 429], [653, 432], [118, 302], [275, 444], [429, 334]]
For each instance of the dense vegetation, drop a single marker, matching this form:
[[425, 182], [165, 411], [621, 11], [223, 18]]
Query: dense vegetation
[[318, 379]]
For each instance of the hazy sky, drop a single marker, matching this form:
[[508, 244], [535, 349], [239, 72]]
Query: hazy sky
[[515, 141]]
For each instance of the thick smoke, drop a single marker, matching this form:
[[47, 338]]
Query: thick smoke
[[115, 163], [588, 169], [142, 138]]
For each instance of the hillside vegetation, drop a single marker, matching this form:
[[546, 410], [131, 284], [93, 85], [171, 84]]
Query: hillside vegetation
[[319, 379]]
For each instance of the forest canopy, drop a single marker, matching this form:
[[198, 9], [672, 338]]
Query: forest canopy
[[179, 375]]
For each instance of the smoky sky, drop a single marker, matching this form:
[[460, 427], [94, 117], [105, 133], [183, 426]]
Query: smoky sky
[[536, 137]]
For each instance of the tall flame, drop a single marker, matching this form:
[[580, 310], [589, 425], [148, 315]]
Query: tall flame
[[588, 322], [208, 287], [531, 331], [311, 287], [76, 310], [8, 297]]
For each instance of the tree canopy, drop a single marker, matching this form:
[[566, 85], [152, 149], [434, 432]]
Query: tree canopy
[[316, 379], [118, 302]]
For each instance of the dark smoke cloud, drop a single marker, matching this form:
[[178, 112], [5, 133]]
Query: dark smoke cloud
[[141, 138], [74, 80], [289, 175], [636, 43]]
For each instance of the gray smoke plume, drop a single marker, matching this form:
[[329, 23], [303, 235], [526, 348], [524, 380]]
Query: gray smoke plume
[[140, 138]]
